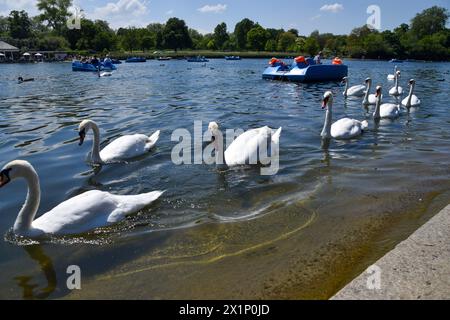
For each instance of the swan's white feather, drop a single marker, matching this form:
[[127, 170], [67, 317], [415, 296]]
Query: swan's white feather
[[348, 128], [129, 146], [389, 111], [245, 147], [415, 101], [358, 90], [90, 210], [395, 92]]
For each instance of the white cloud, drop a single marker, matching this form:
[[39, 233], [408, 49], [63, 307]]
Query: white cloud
[[122, 13], [169, 12], [335, 8], [218, 8], [316, 17], [6, 6]]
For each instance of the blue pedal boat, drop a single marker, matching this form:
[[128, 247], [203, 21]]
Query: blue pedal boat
[[305, 70], [89, 67], [135, 60]]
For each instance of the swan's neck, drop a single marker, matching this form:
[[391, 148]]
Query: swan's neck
[[396, 81], [96, 145], [366, 97], [29, 209], [376, 115], [219, 151], [326, 132], [346, 89], [411, 92]]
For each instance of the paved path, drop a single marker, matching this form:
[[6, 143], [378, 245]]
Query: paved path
[[418, 268]]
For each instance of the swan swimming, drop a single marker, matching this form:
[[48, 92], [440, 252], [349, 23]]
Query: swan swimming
[[245, 148], [355, 91], [391, 77], [125, 147], [396, 90], [85, 212], [369, 99], [411, 100], [386, 110], [343, 129]]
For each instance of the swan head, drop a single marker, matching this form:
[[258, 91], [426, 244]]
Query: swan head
[[398, 73], [213, 127], [15, 169], [344, 79], [327, 98], [368, 80], [83, 128], [378, 91], [412, 82]]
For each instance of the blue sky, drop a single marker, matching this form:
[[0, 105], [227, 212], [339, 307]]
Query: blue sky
[[336, 16]]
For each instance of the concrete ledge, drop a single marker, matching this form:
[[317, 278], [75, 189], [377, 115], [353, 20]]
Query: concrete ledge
[[418, 268]]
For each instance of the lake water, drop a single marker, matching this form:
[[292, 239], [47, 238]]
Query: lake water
[[304, 233]]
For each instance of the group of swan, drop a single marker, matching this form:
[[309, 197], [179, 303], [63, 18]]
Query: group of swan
[[94, 209], [370, 99], [350, 128]]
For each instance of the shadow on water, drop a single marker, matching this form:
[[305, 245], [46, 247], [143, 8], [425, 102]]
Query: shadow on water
[[31, 290]]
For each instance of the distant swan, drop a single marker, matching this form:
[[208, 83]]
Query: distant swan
[[245, 148], [125, 147], [411, 100], [343, 129], [104, 74], [386, 110], [396, 90], [355, 91], [85, 212], [391, 77]]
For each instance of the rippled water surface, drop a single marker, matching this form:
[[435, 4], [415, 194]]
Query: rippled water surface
[[303, 233]]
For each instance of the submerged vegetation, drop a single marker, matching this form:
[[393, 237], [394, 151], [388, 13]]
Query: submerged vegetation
[[426, 37]]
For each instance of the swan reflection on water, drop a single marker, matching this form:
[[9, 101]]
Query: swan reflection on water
[[31, 290]]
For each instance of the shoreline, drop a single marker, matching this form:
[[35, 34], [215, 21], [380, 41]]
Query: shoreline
[[416, 268]]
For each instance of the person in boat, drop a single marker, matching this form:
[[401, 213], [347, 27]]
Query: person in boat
[[107, 59], [318, 57], [95, 61]]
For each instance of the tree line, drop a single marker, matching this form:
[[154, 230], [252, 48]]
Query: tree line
[[426, 37]]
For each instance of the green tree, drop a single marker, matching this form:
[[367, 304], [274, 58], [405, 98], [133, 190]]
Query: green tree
[[257, 38], [271, 45], [176, 35], [240, 31], [221, 35], [429, 22], [19, 25], [311, 46], [55, 13], [4, 26], [286, 41], [129, 39], [147, 42]]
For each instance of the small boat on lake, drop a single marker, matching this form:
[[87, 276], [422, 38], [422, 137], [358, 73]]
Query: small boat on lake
[[396, 61], [305, 70], [232, 58], [197, 59], [135, 60], [164, 58], [89, 67]]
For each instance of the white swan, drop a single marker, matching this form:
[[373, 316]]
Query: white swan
[[386, 110], [246, 149], [396, 90], [369, 99], [104, 74], [343, 129], [391, 77], [411, 100], [355, 91], [125, 147], [85, 212]]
